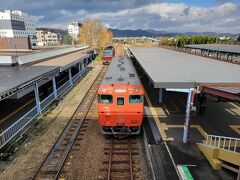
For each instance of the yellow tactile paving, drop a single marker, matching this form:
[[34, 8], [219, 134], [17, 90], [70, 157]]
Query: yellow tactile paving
[[198, 127], [161, 126], [236, 128], [201, 130], [237, 107]]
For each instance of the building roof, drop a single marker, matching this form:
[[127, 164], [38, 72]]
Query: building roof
[[13, 79], [63, 62], [121, 71], [173, 69], [232, 93], [38, 56], [227, 48], [233, 90]]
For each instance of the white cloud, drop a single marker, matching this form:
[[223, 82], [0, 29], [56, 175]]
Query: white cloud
[[165, 16], [37, 18]]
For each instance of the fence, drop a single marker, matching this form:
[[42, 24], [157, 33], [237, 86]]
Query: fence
[[227, 143], [16, 128], [227, 57]]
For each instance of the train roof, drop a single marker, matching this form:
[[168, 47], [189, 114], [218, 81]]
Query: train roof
[[108, 48], [121, 71]]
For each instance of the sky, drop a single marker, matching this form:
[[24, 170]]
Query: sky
[[164, 15]]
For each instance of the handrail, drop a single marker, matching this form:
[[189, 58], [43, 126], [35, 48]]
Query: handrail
[[222, 142]]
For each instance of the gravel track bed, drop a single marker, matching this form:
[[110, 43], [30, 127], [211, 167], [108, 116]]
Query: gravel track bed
[[30, 155], [84, 163]]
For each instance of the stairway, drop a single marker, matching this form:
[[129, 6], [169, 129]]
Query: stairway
[[222, 151]]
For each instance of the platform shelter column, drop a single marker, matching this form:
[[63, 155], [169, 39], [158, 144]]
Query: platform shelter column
[[160, 97], [90, 57], [36, 92], [79, 69], [70, 76], [54, 87], [190, 100], [149, 82], [83, 67]]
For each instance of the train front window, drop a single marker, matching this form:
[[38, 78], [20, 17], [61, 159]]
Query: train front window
[[136, 99], [106, 53], [105, 99], [120, 101]]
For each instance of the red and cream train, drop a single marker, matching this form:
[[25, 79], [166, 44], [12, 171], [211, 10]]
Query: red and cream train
[[108, 54], [120, 99]]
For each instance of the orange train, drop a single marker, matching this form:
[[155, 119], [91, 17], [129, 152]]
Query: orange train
[[108, 54], [120, 99]]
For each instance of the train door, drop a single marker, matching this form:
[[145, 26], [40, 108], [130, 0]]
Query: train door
[[120, 109]]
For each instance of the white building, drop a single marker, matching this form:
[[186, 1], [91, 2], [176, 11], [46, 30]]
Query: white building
[[17, 24], [74, 29]]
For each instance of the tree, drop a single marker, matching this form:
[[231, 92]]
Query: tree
[[68, 39], [94, 33], [238, 38]]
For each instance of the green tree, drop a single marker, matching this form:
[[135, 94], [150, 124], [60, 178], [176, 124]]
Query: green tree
[[68, 39], [238, 38]]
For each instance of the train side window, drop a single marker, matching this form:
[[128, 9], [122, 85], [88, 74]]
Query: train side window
[[120, 101], [105, 99], [136, 99]]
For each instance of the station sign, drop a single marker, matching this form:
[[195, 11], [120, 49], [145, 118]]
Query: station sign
[[184, 172]]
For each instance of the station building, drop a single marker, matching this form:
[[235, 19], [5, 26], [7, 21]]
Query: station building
[[18, 24]]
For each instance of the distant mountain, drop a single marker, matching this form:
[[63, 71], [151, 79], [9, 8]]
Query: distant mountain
[[130, 33], [154, 33], [63, 32]]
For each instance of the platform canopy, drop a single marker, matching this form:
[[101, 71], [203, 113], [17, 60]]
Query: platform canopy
[[173, 69], [14, 79], [64, 62], [226, 48]]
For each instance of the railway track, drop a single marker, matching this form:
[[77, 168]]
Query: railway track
[[121, 160], [69, 139]]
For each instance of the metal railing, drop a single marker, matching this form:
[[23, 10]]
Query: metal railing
[[223, 142], [47, 101], [8, 134], [62, 89], [228, 57]]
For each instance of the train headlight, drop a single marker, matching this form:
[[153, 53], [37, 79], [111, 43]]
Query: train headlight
[[103, 90], [136, 90]]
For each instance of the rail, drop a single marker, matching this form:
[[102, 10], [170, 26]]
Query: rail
[[54, 161], [120, 153], [17, 127], [223, 142]]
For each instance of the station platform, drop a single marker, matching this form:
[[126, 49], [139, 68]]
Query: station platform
[[216, 120], [43, 77], [14, 79], [172, 81]]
